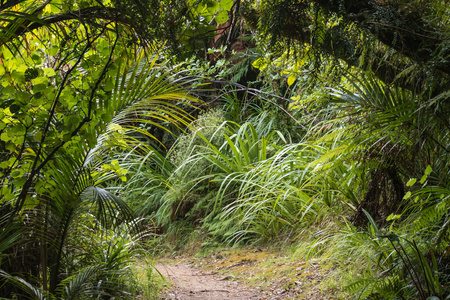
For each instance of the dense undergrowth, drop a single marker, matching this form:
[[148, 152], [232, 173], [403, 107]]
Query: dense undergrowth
[[356, 193], [114, 150], [357, 187]]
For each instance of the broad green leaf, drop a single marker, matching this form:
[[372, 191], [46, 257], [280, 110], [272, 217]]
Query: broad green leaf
[[49, 72], [106, 117], [71, 101], [407, 195], [40, 80], [8, 196], [23, 97], [36, 57], [411, 182], [222, 17], [19, 74], [291, 79], [428, 170], [259, 63], [37, 136], [109, 85], [53, 50], [8, 90], [18, 129], [16, 173], [5, 137], [423, 179], [55, 9], [200, 8], [115, 164], [76, 83], [25, 119], [226, 4], [6, 53], [38, 88], [212, 7]]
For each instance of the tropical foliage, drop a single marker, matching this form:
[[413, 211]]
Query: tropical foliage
[[126, 125]]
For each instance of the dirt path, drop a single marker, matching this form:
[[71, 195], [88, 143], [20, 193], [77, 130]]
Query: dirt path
[[193, 283], [254, 274]]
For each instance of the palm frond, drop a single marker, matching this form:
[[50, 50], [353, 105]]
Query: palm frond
[[31, 292], [108, 207], [79, 286]]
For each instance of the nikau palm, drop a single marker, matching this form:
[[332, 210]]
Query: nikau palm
[[69, 184]]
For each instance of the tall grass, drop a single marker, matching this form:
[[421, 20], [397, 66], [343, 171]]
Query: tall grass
[[249, 182]]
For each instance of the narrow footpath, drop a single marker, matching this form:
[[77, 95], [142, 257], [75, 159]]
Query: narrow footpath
[[193, 283], [242, 274]]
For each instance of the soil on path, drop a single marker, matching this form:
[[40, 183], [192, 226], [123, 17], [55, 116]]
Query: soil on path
[[193, 283], [243, 274]]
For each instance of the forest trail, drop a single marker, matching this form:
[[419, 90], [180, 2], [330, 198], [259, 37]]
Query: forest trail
[[194, 283], [242, 274]]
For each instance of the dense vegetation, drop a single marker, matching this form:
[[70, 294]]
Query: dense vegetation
[[126, 125]]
